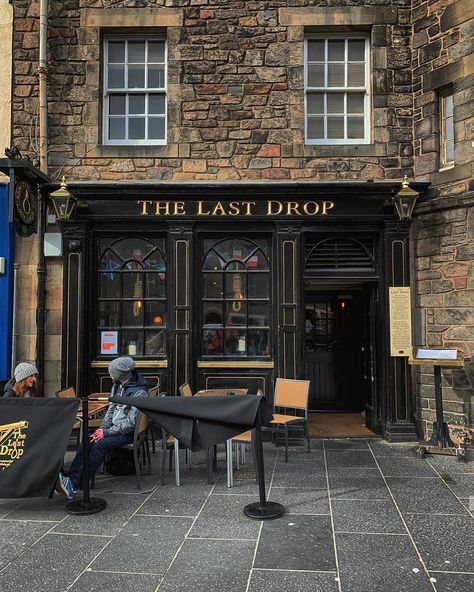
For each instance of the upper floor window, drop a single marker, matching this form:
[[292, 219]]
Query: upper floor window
[[337, 91], [446, 128], [134, 91]]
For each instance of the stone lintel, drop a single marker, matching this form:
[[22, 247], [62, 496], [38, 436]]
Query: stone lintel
[[343, 151], [456, 173], [449, 73], [457, 13], [132, 17], [338, 16]]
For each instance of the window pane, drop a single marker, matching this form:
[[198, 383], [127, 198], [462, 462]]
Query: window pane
[[155, 261], [109, 285], [336, 127], [156, 104], [213, 342], [258, 285], [315, 127], [355, 127], [236, 313], [116, 128], [335, 103], [336, 75], [315, 103], [136, 104], [132, 285], [132, 313], [116, 77], [155, 343], [156, 128], [156, 76], [356, 75], [155, 313], [136, 128], [155, 285], [116, 52], [212, 313], [109, 314], [448, 105], [213, 261], [355, 103], [257, 260], [117, 104], [257, 342], [356, 50], [136, 52], [235, 342], [449, 129], [449, 152], [258, 314], [132, 342], [316, 51], [136, 76], [235, 285], [336, 50], [213, 285], [156, 51], [316, 75]]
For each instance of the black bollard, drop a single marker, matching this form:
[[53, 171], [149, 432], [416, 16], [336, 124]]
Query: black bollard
[[263, 509], [86, 505]]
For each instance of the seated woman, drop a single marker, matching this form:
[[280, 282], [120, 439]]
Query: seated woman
[[23, 383]]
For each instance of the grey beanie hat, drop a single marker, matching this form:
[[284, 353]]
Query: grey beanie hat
[[24, 370], [121, 368]]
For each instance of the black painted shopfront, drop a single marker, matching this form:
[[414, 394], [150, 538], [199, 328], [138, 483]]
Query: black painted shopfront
[[237, 284]]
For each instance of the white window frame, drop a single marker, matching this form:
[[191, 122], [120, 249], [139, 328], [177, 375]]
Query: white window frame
[[341, 90], [444, 163], [107, 93]]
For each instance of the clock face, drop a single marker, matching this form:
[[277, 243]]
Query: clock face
[[25, 203]]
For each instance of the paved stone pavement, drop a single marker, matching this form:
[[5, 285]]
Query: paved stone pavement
[[361, 516]]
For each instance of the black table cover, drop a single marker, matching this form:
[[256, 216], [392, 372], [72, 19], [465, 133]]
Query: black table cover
[[202, 422]]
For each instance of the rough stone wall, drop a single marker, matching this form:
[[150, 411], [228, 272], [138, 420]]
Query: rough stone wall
[[235, 89], [443, 57]]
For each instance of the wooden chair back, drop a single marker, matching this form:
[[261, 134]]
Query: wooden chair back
[[66, 393], [291, 393], [185, 390], [143, 423], [153, 392]]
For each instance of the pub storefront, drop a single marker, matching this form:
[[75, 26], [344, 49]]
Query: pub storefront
[[237, 284]]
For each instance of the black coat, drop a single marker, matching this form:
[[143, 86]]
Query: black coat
[[9, 391]]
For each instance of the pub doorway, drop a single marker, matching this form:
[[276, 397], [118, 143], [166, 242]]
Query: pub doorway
[[340, 334]]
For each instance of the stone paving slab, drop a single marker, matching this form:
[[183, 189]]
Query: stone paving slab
[[264, 580], [454, 582], [352, 459], [362, 484], [405, 467], [367, 516], [17, 536], [297, 500], [97, 581], [375, 563], [425, 496]]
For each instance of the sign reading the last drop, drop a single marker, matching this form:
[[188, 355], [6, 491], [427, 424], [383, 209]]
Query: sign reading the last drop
[[109, 343], [400, 321]]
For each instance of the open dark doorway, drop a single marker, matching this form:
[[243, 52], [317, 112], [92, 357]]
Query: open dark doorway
[[335, 349]]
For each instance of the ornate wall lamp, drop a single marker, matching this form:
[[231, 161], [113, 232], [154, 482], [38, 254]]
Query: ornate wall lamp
[[405, 200], [63, 202]]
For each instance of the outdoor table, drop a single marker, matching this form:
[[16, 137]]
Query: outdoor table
[[95, 407]]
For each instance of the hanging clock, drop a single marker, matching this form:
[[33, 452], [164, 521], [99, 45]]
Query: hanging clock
[[25, 208]]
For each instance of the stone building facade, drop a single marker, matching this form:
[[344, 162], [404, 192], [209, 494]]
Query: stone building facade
[[235, 94]]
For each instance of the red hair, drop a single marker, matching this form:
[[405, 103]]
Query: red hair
[[21, 389]]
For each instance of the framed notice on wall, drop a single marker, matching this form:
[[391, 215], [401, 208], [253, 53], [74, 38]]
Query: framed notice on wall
[[109, 343], [400, 321]]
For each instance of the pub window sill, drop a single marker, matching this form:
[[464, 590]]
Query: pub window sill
[[447, 167], [341, 150], [133, 151]]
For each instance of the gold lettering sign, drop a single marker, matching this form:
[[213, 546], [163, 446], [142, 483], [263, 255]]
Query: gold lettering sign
[[400, 321], [12, 443], [204, 208]]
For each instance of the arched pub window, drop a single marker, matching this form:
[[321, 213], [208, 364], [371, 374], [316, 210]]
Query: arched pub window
[[236, 298], [132, 298]]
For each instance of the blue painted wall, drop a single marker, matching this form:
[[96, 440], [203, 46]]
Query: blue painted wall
[[6, 284]]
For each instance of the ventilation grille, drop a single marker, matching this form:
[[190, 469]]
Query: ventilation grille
[[340, 256]]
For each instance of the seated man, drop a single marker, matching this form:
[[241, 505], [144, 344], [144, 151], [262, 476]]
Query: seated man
[[116, 429]]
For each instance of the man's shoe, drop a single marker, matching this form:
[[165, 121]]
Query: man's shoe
[[65, 486]]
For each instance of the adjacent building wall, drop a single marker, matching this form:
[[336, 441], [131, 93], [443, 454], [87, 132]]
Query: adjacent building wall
[[443, 58]]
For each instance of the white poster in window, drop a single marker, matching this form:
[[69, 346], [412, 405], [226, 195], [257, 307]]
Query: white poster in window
[[109, 342], [400, 321]]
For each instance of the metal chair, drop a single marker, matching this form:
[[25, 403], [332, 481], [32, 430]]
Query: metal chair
[[291, 395]]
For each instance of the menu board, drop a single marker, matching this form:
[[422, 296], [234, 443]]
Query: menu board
[[400, 321], [109, 342]]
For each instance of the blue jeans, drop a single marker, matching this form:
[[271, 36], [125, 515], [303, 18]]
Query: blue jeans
[[97, 453]]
